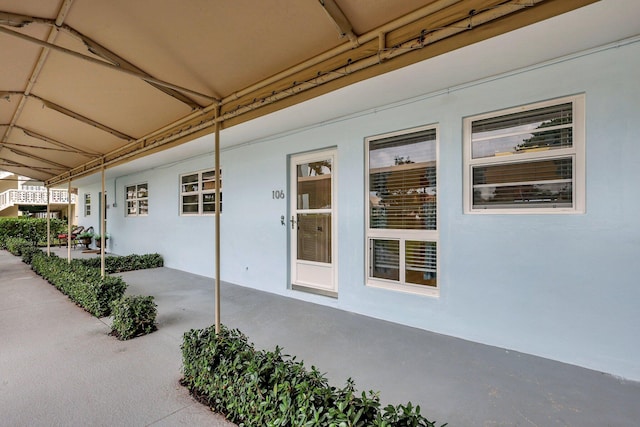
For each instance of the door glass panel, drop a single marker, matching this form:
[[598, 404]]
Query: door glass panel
[[314, 237], [314, 185]]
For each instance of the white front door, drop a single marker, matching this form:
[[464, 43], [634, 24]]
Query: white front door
[[313, 222]]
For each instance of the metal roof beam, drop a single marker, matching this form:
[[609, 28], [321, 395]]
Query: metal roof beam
[[39, 147], [51, 141], [62, 146], [15, 20], [34, 157], [42, 169], [105, 64], [345, 29], [62, 110]]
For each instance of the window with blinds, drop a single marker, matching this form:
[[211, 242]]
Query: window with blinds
[[527, 159], [198, 193], [402, 214], [87, 204], [137, 199]]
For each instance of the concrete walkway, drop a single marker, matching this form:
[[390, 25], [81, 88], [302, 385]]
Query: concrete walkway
[[58, 366]]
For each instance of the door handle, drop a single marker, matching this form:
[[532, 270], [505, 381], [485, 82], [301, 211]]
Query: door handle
[[293, 222]]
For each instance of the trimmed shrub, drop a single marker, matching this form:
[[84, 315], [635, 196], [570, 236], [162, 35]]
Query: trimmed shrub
[[16, 245], [258, 388], [33, 230], [84, 285], [28, 252], [133, 316], [119, 264], [21, 247]]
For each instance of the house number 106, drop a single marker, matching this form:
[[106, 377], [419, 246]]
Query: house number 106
[[277, 194]]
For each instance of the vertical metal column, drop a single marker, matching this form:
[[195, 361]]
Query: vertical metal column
[[217, 207], [69, 221], [48, 225], [103, 220]]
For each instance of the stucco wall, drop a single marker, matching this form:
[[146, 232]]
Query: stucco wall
[[559, 286]]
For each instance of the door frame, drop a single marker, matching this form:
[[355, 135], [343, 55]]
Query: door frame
[[293, 161]]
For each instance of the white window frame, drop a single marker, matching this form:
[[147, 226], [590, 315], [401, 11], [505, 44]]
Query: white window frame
[[135, 199], [576, 153], [200, 193], [402, 235], [87, 204]]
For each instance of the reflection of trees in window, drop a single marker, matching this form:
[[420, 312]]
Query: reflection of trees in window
[[554, 138], [400, 160]]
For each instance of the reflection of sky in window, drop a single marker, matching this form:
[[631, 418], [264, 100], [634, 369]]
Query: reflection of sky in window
[[489, 147], [424, 151]]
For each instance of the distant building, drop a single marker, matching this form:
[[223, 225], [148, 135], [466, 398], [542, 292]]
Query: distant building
[[20, 197]]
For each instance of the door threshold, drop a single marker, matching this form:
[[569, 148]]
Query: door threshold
[[309, 289]]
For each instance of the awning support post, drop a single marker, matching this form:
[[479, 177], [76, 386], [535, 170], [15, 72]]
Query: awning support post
[[69, 221], [48, 224], [217, 226], [103, 221]]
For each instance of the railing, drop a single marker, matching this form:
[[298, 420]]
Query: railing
[[34, 197]]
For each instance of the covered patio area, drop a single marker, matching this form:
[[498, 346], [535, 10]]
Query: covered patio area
[[77, 374]]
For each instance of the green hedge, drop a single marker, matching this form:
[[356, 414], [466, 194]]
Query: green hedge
[[21, 247], [16, 245], [84, 285], [133, 316], [258, 388], [118, 264], [33, 230]]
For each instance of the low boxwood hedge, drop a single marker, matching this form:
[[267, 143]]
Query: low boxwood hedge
[[16, 245], [82, 281], [84, 285], [133, 316], [260, 388], [118, 264], [21, 247]]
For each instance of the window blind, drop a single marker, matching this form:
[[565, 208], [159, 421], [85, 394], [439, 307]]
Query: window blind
[[560, 114], [546, 182], [402, 181], [539, 129], [385, 263], [421, 262]]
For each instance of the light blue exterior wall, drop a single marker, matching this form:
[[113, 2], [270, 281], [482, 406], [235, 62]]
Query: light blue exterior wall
[[564, 287]]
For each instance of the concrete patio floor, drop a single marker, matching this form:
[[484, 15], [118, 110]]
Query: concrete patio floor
[[59, 366]]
